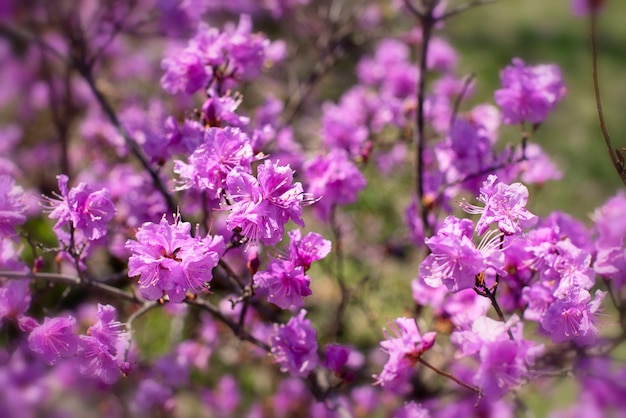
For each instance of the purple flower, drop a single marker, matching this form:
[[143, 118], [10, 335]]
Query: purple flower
[[404, 346], [219, 110], [336, 358], [11, 206], [101, 352], [611, 222], [466, 150], [82, 207], [287, 284], [528, 93], [169, 261], [152, 396], [411, 410], [572, 266], [585, 7], [55, 338], [503, 362], [334, 180], [210, 163], [304, 251], [341, 129], [441, 56], [185, 72], [15, 298], [261, 207], [573, 317], [294, 346], [504, 204], [454, 259]]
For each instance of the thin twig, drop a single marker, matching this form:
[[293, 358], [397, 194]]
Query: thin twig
[[616, 158], [451, 377], [345, 292]]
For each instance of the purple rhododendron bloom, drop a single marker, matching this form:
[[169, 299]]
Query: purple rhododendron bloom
[[261, 207], [303, 251], [152, 396], [170, 262], [528, 93], [454, 260], [504, 205], [336, 356], [405, 345], [185, 72], [210, 163], [294, 346], [15, 298], [503, 362], [573, 317], [572, 266], [585, 7], [333, 179], [411, 410], [286, 284], [101, 352], [55, 338], [86, 209], [11, 206]]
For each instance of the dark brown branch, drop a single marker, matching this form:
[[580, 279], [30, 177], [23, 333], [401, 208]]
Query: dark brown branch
[[451, 377], [617, 157]]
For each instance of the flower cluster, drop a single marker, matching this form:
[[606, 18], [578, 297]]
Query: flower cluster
[[405, 346], [294, 346], [169, 261], [284, 278], [529, 93], [80, 209], [222, 58], [262, 206]]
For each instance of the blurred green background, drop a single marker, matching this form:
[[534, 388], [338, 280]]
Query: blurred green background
[[539, 31]]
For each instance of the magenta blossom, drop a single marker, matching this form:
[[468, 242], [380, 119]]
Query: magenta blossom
[[404, 346], [573, 317], [454, 260], [210, 163], [101, 352], [262, 206], [81, 208], [171, 262], [529, 93], [294, 346], [585, 7], [287, 285], [334, 180], [503, 362], [303, 251], [55, 338], [504, 205], [11, 206]]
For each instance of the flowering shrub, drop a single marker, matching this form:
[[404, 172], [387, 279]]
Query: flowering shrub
[[198, 233]]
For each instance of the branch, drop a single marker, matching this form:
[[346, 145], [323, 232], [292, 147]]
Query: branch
[[451, 377], [85, 70], [617, 157]]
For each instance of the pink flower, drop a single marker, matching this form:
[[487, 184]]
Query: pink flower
[[55, 338], [528, 93], [82, 208], [11, 206], [294, 346], [404, 346], [261, 207], [504, 205], [170, 262]]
